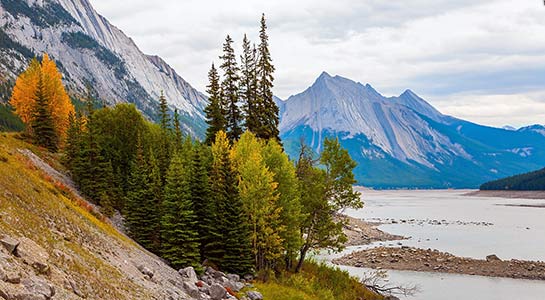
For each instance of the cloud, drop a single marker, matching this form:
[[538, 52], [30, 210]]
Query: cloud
[[439, 48]]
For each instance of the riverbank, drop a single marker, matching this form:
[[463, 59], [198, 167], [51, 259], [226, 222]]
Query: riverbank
[[509, 194], [360, 232], [427, 260]]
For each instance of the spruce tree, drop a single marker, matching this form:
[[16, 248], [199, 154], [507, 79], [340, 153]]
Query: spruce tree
[[43, 127], [180, 245], [73, 140], [231, 219], [139, 202], [229, 88], [267, 110], [155, 201], [163, 155], [215, 111], [177, 128], [164, 117], [248, 87]]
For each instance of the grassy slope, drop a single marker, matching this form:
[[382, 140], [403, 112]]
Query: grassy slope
[[32, 206], [316, 282]]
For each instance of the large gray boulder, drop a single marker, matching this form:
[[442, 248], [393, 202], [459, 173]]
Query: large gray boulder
[[191, 289], [189, 275], [10, 244], [36, 286], [217, 292]]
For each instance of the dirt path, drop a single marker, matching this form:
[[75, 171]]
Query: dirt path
[[408, 258]]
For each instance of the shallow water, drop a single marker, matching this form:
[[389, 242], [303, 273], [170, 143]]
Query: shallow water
[[511, 232]]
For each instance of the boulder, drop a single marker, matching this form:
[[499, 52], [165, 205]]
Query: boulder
[[217, 292], [233, 277], [492, 257], [253, 295], [33, 255], [189, 275], [37, 286], [10, 244], [191, 289]]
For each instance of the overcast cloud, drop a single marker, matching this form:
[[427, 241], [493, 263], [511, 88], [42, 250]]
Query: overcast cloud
[[480, 60]]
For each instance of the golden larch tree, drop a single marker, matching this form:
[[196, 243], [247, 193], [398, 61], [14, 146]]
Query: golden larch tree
[[23, 98]]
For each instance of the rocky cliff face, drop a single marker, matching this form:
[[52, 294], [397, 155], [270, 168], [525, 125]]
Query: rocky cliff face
[[90, 50], [403, 141]]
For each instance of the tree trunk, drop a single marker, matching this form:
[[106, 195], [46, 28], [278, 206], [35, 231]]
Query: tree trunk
[[303, 253]]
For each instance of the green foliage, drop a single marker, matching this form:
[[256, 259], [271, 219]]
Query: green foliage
[[8, 43], [316, 281], [43, 126], [180, 240], [215, 112], [229, 89], [9, 121], [289, 197], [231, 217], [531, 181], [259, 198]]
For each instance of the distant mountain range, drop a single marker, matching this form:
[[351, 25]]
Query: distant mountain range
[[403, 141], [90, 50]]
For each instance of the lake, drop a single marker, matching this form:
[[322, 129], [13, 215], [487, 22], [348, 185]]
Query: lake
[[464, 226]]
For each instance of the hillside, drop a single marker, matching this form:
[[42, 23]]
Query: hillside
[[63, 244], [403, 141], [532, 181], [91, 51]]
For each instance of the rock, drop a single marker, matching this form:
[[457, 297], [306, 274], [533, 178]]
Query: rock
[[189, 275], [191, 289], [12, 277], [492, 257], [10, 244], [253, 295], [145, 270], [33, 255], [217, 292], [41, 267], [27, 296], [233, 277], [37, 286], [75, 289], [248, 277]]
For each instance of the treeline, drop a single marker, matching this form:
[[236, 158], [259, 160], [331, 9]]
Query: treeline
[[235, 201], [531, 181]]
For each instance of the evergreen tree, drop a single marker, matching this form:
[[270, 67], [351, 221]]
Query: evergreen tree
[[177, 128], [139, 203], [43, 127], [179, 233], [248, 86], [164, 117], [163, 155], [267, 110], [233, 251], [215, 111], [156, 201], [73, 140], [229, 87]]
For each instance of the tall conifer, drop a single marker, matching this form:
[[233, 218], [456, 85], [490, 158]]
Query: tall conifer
[[230, 93], [43, 127], [248, 86], [215, 110]]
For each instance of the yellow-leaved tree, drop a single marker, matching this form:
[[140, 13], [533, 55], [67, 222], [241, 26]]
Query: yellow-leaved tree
[[23, 98]]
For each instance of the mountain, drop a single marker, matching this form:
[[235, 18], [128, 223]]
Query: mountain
[[530, 181], [90, 50], [403, 141]]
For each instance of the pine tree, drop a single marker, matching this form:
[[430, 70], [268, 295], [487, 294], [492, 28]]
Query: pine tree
[[267, 110], [164, 117], [43, 127], [179, 233], [155, 201], [229, 87], [248, 86], [73, 140], [215, 111], [233, 252]]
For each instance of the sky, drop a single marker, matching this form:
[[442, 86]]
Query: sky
[[479, 60]]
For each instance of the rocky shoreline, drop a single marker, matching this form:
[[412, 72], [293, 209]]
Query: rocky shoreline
[[428, 260], [509, 194], [360, 232]]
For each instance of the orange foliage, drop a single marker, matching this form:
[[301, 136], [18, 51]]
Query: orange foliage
[[23, 98]]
